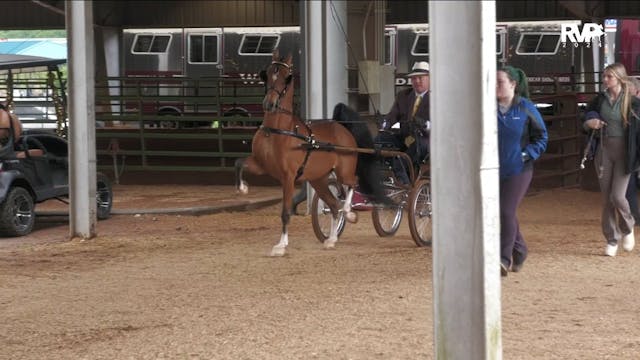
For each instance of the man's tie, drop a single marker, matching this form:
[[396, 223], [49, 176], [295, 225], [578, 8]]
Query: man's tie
[[416, 104]]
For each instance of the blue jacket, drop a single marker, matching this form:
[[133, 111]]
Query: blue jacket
[[522, 137]]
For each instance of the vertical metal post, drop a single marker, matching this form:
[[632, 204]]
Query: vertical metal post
[[464, 171], [324, 65], [82, 134]]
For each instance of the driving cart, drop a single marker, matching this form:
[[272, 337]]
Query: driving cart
[[413, 198]]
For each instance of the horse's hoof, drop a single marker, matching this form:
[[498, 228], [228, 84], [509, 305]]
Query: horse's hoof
[[329, 244], [351, 217], [243, 188], [277, 251]]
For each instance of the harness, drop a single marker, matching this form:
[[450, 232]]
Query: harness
[[310, 142]]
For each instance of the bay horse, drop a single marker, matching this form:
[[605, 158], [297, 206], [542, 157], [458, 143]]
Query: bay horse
[[284, 147]]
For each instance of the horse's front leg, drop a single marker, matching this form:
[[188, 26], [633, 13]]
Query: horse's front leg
[[250, 165], [287, 194]]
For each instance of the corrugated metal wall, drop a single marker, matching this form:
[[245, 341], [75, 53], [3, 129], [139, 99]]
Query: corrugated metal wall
[[210, 13], [24, 14]]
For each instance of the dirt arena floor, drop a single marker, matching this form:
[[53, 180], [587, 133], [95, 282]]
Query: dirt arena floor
[[203, 287]]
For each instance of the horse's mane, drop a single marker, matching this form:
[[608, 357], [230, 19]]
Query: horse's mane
[[368, 168]]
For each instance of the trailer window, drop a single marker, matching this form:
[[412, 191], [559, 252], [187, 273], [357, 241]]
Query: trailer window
[[499, 43], [150, 44], [538, 44], [258, 44], [389, 47], [420, 45], [203, 49]]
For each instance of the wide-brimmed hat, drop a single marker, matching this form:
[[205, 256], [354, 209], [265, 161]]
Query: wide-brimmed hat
[[419, 68]]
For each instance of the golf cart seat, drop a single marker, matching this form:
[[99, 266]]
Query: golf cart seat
[[11, 125]]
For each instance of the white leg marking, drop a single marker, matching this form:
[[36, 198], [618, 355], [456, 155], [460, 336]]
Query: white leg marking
[[281, 247], [348, 214], [330, 243], [243, 188]]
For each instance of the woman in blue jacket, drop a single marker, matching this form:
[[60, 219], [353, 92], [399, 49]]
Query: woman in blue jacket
[[522, 138]]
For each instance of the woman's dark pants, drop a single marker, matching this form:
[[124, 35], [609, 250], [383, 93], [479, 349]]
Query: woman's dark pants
[[512, 191]]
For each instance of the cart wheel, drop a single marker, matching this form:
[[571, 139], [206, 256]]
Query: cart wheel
[[17, 213], [420, 212], [321, 214], [387, 219]]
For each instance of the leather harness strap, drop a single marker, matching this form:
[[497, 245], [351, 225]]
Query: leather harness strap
[[310, 145]]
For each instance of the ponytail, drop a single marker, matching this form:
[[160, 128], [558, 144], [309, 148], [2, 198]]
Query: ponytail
[[517, 75]]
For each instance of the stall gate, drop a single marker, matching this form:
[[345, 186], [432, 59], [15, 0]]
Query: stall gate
[[559, 165]]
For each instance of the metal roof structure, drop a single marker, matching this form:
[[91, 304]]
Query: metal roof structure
[[50, 14], [22, 62]]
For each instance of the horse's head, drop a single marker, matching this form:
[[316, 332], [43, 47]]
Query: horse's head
[[277, 79]]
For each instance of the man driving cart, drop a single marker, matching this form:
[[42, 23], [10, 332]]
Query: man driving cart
[[411, 111]]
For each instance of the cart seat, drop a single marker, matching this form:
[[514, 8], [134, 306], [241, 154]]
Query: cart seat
[[5, 125], [10, 122]]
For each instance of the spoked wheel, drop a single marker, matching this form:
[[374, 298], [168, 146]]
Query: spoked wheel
[[321, 213], [420, 212], [17, 213], [387, 218]]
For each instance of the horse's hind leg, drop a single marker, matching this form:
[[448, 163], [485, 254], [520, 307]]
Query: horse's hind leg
[[348, 214], [287, 194], [250, 165], [349, 179], [322, 189]]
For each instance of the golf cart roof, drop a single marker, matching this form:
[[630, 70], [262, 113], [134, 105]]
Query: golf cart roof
[[26, 63]]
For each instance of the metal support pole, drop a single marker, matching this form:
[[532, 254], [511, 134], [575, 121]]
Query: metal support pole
[[82, 134], [464, 172]]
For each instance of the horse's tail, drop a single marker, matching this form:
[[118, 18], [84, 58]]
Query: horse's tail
[[368, 168]]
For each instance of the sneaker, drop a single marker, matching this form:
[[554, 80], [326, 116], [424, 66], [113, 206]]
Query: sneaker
[[628, 241], [518, 261], [504, 269], [611, 250], [360, 201]]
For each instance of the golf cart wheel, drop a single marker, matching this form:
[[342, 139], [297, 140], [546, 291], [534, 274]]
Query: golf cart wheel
[[104, 197], [17, 213]]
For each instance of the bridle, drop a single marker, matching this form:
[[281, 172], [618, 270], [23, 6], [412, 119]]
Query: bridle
[[309, 140], [283, 92]]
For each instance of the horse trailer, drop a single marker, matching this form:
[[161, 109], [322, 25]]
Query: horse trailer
[[227, 53], [240, 53]]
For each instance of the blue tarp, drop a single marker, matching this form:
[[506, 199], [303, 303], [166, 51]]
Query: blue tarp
[[53, 49]]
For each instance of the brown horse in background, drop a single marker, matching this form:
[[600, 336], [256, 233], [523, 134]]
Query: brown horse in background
[[283, 148]]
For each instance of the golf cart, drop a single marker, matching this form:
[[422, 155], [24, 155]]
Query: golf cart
[[34, 165]]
